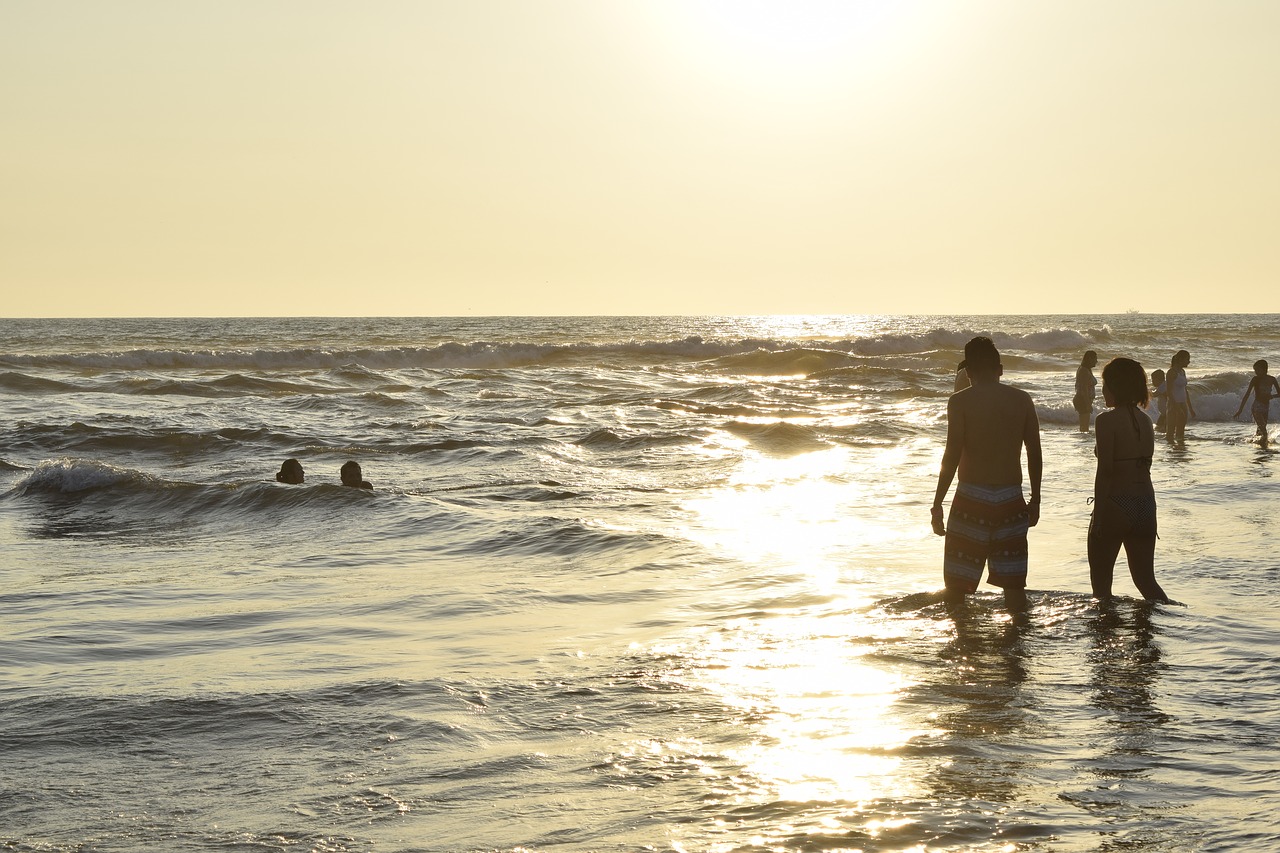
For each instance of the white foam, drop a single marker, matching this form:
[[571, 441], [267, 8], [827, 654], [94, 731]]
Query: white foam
[[76, 475]]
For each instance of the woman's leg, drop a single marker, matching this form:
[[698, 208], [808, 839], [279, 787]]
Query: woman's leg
[[1177, 421], [1140, 549], [1104, 547]]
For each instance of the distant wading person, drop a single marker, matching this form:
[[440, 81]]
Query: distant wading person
[[1124, 501], [987, 426], [1086, 385], [962, 377], [1179, 406], [1160, 393], [1261, 386]]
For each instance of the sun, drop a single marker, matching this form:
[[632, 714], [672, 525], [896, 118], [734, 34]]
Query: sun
[[797, 37]]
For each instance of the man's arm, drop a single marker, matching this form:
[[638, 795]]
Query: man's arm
[[1035, 459], [950, 461]]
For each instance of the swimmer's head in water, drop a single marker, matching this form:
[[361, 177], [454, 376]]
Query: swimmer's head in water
[[351, 474], [290, 472], [1125, 382]]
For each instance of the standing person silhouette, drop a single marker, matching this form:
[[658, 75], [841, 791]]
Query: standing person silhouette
[[1086, 384], [1160, 395], [1180, 408], [1261, 386], [987, 426], [1124, 501]]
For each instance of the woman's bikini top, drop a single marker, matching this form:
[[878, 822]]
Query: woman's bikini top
[[1144, 462]]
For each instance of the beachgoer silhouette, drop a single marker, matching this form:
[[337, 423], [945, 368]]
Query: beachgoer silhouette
[[1180, 408], [1124, 501], [352, 476], [1160, 391], [290, 472], [962, 377], [1261, 386], [1086, 384], [988, 424]]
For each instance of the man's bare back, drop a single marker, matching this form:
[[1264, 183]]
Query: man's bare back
[[987, 425]]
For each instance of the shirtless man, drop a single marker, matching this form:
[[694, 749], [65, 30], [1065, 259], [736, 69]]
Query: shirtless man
[[987, 425], [1261, 385]]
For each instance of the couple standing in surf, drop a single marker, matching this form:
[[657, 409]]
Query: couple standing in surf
[[988, 424]]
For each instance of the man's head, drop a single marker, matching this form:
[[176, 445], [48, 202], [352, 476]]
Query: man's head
[[351, 474], [290, 472], [982, 359]]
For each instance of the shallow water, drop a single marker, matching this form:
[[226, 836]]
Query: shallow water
[[634, 583]]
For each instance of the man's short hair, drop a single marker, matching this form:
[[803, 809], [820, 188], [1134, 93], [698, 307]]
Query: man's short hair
[[980, 354]]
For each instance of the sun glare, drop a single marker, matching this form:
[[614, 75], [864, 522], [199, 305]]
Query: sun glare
[[779, 39]]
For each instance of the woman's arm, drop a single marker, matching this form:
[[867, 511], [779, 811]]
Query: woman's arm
[[1105, 448]]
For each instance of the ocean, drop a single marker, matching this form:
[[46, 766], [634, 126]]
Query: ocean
[[622, 584]]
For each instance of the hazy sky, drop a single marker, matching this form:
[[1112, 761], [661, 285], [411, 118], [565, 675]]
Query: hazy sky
[[251, 157]]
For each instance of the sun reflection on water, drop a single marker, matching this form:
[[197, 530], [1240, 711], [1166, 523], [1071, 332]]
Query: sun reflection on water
[[808, 512], [824, 727]]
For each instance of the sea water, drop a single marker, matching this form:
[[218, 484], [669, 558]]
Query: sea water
[[622, 584]]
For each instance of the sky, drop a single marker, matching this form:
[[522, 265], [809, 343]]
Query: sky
[[585, 157]]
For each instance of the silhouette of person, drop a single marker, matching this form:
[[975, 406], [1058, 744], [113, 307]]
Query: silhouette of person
[[987, 426], [352, 476], [1124, 501], [1261, 385], [1160, 392], [290, 472], [1180, 408], [962, 377], [1086, 384]]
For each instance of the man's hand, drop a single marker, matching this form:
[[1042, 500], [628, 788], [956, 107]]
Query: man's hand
[[1033, 512], [938, 526]]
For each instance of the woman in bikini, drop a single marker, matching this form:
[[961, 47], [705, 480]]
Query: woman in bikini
[[1124, 501], [1082, 402]]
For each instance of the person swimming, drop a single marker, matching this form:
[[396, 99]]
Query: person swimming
[[290, 472], [352, 476]]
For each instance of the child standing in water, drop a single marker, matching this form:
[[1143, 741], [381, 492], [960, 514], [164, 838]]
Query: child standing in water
[[1261, 386], [1124, 500], [1160, 395]]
